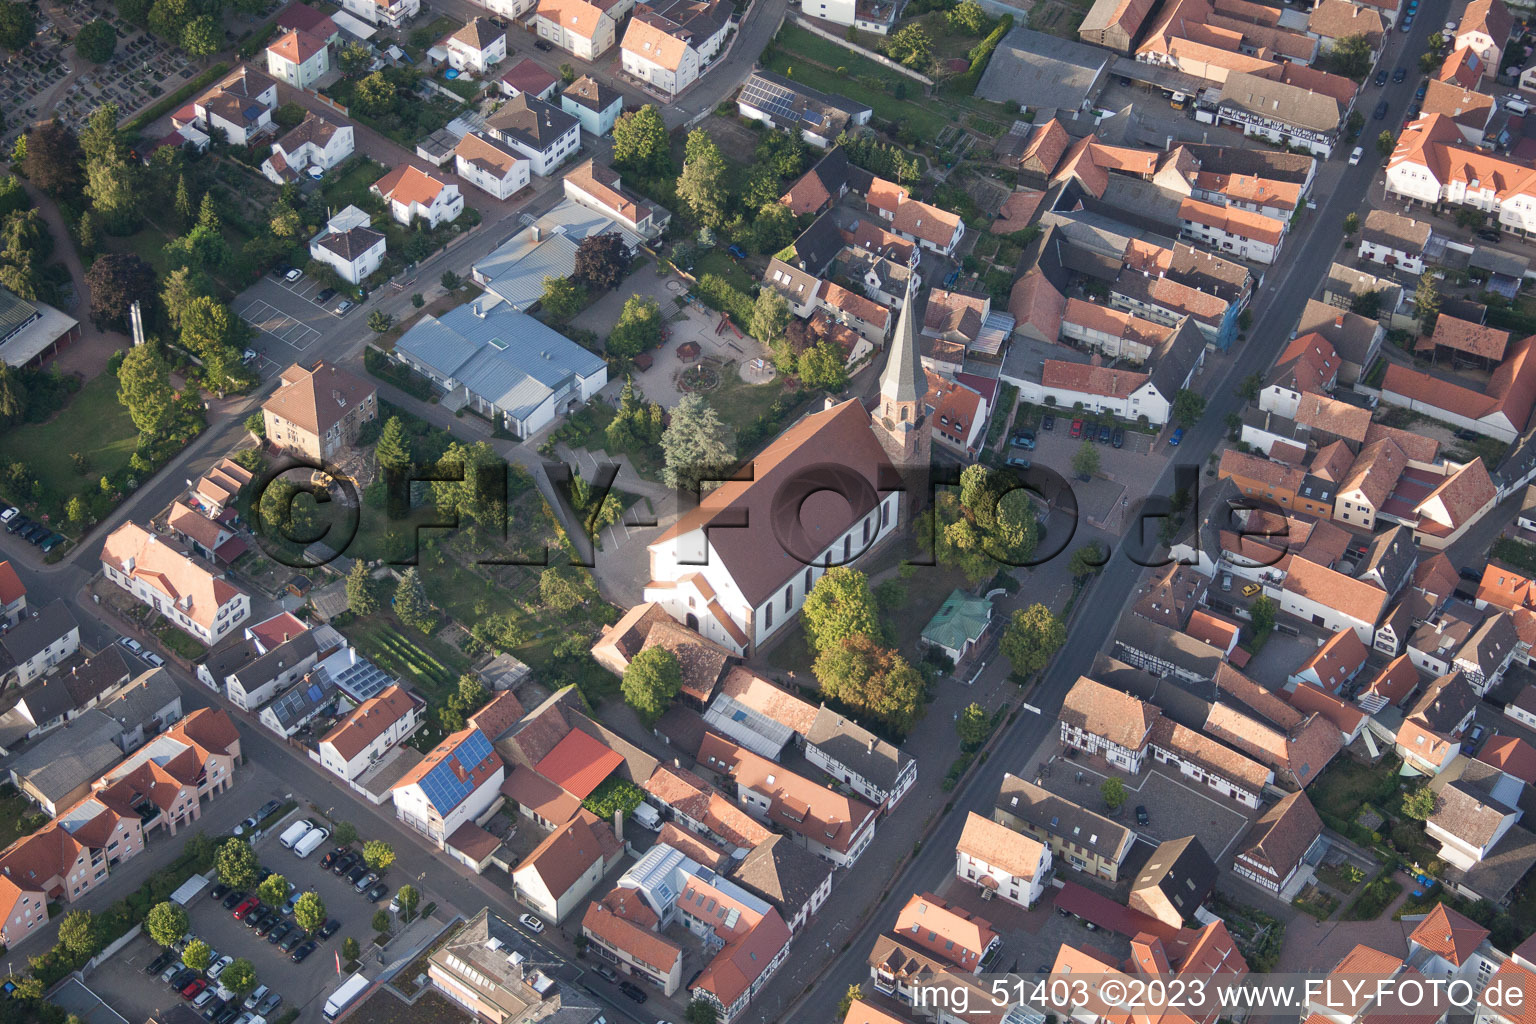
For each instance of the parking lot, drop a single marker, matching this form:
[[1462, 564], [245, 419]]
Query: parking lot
[[303, 986], [288, 319], [1125, 476]]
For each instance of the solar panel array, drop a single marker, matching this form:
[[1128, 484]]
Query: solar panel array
[[442, 785], [362, 679], [301, 699], [769, 98]]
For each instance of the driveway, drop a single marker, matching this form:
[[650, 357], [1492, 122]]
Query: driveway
[[288, 318]]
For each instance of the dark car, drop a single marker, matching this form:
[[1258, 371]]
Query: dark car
[[228, 1014], [1399, 74], [298, 955], [1422, 91], [1117, 438], [1381, 77], [1105, 434], [328, 929], [263, 874], [266, 919], [233, 900], [267, 808], [634, 991], [378, 892], [326, 296], [34, 533], [291, 942], [345, 863], [356, 875], [159, 963], [1413, 112], [1048, 422], [17, 524], [278, 933], [1141, 815], [1490, 235], [1018, 462], [182, 978], [540, 44], [1381, 111], [1468, 573], [213, 1009], [332, 857]]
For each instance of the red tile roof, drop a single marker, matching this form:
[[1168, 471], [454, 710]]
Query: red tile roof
[[1450, 934], [579, 763], [11, 588], [1511, 755]]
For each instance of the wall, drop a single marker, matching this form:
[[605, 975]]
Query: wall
[[878, 58]]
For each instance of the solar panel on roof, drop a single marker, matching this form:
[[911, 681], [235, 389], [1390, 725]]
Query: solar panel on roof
[[314, 692]]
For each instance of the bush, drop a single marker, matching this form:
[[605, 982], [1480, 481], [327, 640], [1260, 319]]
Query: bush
[[402, 377], [719, 294]]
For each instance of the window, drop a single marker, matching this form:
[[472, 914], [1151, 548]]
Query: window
[[789, 598], [847, 548], [767, 615], [807, 585]]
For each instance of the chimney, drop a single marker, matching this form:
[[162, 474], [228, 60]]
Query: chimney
[[871, 744], [537, 232], [618, 824], [1338, 321]]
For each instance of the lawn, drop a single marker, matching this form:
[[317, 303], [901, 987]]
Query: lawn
[[93, 423], [434, 667], [740, 403], [13, 808], [350, 186], [719, 263], [813, 61]]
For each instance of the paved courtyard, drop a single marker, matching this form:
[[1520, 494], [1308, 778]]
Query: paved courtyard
[[1031, 937]]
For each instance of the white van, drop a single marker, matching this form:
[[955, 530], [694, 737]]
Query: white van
[[646, 815], [1354, 157], [293, 833], [311, 841]]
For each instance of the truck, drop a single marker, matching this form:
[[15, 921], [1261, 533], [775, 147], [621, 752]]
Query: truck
[[293, 833], [311, 841], [344, 996]]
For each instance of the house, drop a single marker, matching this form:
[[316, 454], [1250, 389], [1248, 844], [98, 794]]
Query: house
[[1499, 408], [192, 761], [476, 47], [458, 781], [747, 938], [833, 826], [301, 16], [411, 193], [621, 929], [1203, 759], [540, 131], [576, 26], [701, 809], [318, 412], [1471, 111], [1014, 867], [959, 624], [1293, 115], [1485, 27], [1336, 662], [60, 768], [595, 105], [219, 487], [393, 14], [1077, 837], [559, 873], [493, 971], [1355, 338], [1307, 365], [369, 731], [1279, 843], [1473, 812], [528, 76], [1115, 24], [1332, 20], [961, 940], [1296, 746], [240, 106], [1451, 945], [1253, 236], [314, 146], [818, 117], [1433, 164], [1160, 650], [1328, 598], [146, 706], [1107, 723], [878, 771], [794, 881], [492, 165], [350, 246], [934, 229], [1175, 882], [13, 595], [743, 589], [599, 187], [1510, 755], [703, 663], [1430, 736], [67, 693], [298, 58], [507, 365], [160, 575], [670, 43], [38, 643]]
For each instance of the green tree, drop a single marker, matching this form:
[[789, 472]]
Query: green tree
[[1349, 56], [198, 955], [638, 329], [380, 321], [701, 1011], [651, 680], [375, 94], [408, 898], [183, 203], [393, 448], [100, 138], [381, 921], [821, 366], [560, 589], [309, 912], [1261, 614], [17, 25], [166, 923], [451, 281], [1426, 302], [563, 298], [1188, 407], [872, 679], [854, 994], [176, 294], [973, 725], [349, 949], [911, 46], [770, 316], [1419, 804], [640, 142], [13, 397], [840, 605], [1032, 636], [703, 188], [166, 18], [96, 41], [474, 499], [1385, 144], [354, 60], [237, 864], [1087, 560], [76, 511], [378, 855], [411, 604], [695, 444], [774, 227], [202, 37], [144, 388], [346, 833], [77, 935], [239, 977], [1113, 792], [110, 186], [273, 890], [968, 17], [360, 596], [1085, 461]]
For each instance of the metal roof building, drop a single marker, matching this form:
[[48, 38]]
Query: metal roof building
[[547, 248]]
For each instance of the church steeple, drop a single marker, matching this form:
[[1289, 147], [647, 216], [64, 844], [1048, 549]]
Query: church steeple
[[898, 422]]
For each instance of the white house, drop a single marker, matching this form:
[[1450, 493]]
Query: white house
[[1331, 599], [599, 187], [877, 16], [240, 106], [490, 164], [932, 228], [1127, 393], [576, 26], [1277, 845], [1433, 164], [669, 44], [369, 731], [476, 47], [1007, 863], [540, 131], [509, 10], [1107, 722], [1232, 229], [1394, 240], [530, 77], [1473, 812], [185, 590], [557, 876], [388, 13], [1484, 28], [349, 245], [594, 104], [880, 772], [411, 193], [458, 782], [37, 643], [298, 58], [313, 147]]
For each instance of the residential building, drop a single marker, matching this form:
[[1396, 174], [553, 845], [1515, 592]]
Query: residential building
[[527, 75], [1430, 736], [493, 971], [671, 42], [595, 105], [504, 364], [1334, 664], [1107, 723], [1332, 20], [701, 809], [877, 16], [817, 117], [392, 14], [1203, 759], [599, 187], [313, 147], [1328, 598], [318, 412], [476, 47], [1278, 843], [370, 731], [193, 760], [458, 781], [350, 246], [74, 688], [1485, 27], [576, 26], [298, 58], [62, 766], [1434, 164], [1077, 837], [490, 164], [299, 15], [878, 771], [1292, 115], [1253, 236], [540, 131], [13, 595], [185, 592], [562, 870], [621, 929], [1002, 862], [1473, 813], [1175, 882], [411, 192], [1499, 407], [240, 106], [934, 229], [793, 880], [36, 645]]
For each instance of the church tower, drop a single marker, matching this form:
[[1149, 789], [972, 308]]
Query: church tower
[[899, 421]]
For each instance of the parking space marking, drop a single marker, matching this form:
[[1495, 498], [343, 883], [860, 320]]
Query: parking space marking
[[272, 321]]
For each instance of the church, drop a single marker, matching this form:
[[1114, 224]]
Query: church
[[737, 568]]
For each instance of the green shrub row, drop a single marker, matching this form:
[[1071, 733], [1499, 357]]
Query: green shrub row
[[402, 377], [177, 98]]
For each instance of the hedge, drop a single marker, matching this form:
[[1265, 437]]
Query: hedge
[[719, 294], [1373, 900], [402, 377], [981, 55], [177, 98]]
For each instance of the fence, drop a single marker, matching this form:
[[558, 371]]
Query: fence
[[878, 58], [111, 949]]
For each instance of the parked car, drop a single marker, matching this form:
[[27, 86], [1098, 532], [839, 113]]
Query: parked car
[[346, 862], [362, 884], [356, 876], [214, 970], [1422, 91], [130, 643], [605, 972], [1490, 235], [532, 923], [540, 44], [270, 1003], [1249, 589], [1226, 581], [343, 307], [1024, 439], [8, 513], [378, 892], [1381, 111], [328, 929], [16, 523], [1178, 435], [633, 991], [204, 997], [1048, 422], [218, 892], [213, 1009], [250, 904], [266, 919], [254, 999], [332, 857], [1399, 73], [50, 542], [1018, 462], [1077, 429], [180, 976], [293, 275], [298, 956], [289, 944], [1466, 572], [192, 988], [1141, 815], [1118, 438], [154, 659], [1105, 434], [233, 900], [1407, 23], [326, 296], [737, 252], [160, 962], [278, 933]]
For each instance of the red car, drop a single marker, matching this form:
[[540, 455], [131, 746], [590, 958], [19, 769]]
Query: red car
[[194, 988], [250, 904], [1077, 429]]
